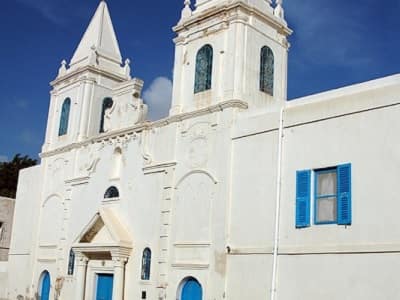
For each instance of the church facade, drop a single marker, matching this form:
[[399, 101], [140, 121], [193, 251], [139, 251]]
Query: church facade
[[237, 194]]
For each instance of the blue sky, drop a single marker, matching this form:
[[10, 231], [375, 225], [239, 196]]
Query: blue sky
[[335, 43]]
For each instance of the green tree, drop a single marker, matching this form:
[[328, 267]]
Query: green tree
[[9, 172]]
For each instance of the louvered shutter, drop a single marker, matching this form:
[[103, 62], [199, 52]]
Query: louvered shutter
[[344, 194], [303, 187]]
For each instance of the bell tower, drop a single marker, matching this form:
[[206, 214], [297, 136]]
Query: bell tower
[[91, 87], [230, 50]]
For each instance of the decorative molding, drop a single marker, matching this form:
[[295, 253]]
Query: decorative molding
[[158, 167], [190, 265], [149, 125], [192, 244], [272, 20], [78, 180], [209, 175]]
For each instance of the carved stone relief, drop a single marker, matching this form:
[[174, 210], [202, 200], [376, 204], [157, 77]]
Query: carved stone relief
[[196, 140]]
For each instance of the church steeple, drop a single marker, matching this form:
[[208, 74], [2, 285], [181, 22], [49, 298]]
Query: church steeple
[[99, 43], [230, 50]]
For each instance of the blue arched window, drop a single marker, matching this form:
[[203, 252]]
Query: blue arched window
[[64, 119], [44, 286], [204, 64], [146, 264], [71, 262], [267, 71], [107, 104], [112, 192]]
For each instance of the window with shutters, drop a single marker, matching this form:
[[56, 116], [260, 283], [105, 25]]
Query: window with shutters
[[329, 190]]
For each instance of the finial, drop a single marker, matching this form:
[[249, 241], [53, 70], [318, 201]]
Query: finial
[[63, 69], [278, 11], [127, 68], [186, 11]]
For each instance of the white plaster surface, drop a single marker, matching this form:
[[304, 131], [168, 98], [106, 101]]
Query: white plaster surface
[[200, 188]]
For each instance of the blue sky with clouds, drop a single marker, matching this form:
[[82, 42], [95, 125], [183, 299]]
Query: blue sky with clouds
[[335, 43]]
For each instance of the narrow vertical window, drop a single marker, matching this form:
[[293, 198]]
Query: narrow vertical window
[[64, 119], [146, 264], [267, 71], [107, 104], [71, 262], [204, 63]]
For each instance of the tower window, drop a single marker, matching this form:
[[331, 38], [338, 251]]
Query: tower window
[[146, 264], [64, 119], [112, 192], [204, 62], [107, 104], [267, 71]]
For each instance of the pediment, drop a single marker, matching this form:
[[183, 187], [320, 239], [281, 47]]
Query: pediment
[[104, 228]]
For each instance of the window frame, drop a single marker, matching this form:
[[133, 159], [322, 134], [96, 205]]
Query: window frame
[[145, 272], [315, 196], [200, 86], [266, 54], [63, 125], [305, 209]]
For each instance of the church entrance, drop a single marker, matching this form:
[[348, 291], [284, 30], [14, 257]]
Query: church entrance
[[191, 290], [45, 286], [104, 288]]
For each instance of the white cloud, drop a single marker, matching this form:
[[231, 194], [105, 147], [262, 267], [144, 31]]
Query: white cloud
[[3, 158], [158, 97]]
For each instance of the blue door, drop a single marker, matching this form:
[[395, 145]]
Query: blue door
[[192, 290], [45, 291], [104, 286]]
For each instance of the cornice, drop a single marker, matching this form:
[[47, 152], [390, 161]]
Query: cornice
[[223, 9], [92, 69], [149, 125]]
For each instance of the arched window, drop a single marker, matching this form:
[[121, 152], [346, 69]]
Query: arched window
[[44, 286], [204, 63], [107, 104], [267, 71], [112, 192], [146, 264], [71, 262], [64, 119]]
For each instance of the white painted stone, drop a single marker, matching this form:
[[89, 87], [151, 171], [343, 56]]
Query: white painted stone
[[200, 188]]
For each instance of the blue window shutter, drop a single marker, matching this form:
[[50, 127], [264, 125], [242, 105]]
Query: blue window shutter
[[303, 195], [344, 194]]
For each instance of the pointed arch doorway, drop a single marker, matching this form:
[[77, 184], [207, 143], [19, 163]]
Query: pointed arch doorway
[[191, 290]]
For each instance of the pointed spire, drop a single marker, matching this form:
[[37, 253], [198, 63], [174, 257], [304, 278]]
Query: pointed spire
[[186, 11], [278, 11], [99, 39]]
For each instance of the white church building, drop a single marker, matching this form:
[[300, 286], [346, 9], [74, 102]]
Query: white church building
[[237, 194]]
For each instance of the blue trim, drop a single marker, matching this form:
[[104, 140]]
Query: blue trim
[[45, 288], [303, 198], [191, 290], [104, 288], [344, 195]]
